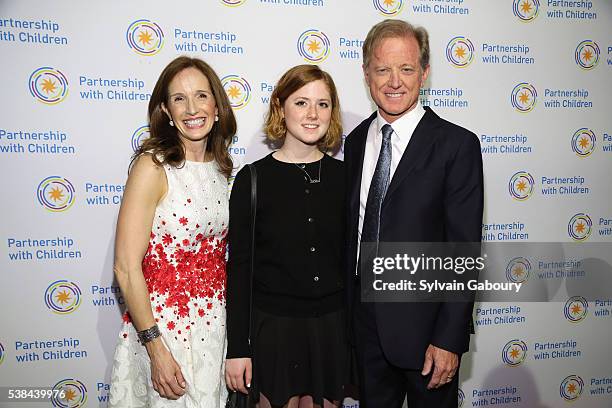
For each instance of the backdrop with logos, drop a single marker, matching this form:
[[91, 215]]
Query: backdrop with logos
[[532, 79]]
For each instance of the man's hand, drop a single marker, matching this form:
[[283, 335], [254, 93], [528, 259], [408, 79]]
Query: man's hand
[[444, 364], [238, 371]]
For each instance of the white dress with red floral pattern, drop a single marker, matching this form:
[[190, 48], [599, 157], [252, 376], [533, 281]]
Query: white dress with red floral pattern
[[184, 268]]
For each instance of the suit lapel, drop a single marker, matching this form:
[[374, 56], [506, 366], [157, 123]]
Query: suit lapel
[[421, 140]]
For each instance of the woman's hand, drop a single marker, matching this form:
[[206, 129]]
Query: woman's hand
[[238, 371], [166, 374]]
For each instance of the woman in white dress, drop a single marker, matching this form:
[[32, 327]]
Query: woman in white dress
[[170, 247]]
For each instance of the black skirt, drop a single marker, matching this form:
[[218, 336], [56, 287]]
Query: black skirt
[[297, 356]]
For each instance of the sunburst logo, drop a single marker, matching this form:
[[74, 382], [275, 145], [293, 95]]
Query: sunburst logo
[[237, 89], [518, 270], [460, 398], [524, 97], [576, 309], [521, 185], [571, 387], [55, 193], [72, 394], [313, 46], [579, 227], [514, 352], [139, 136], [587, 54], [583, 142], [63, 297], [460, 52], [48, 85], [233, 3], [526, 10], [145, 37], [1, 353], [389, 7]]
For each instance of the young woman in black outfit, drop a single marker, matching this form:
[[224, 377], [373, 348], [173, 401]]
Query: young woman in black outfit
[[298, 355]]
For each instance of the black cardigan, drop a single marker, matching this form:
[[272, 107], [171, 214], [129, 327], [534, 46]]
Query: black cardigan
[[299, 244]]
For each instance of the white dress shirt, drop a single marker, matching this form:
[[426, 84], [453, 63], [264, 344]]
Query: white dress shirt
[[403, 128]]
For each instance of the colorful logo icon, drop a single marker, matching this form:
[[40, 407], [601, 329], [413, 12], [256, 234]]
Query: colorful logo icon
[[514, 352], [587, 54], [313, 46], [233, 3], [237, 89], [1, 353], [460, 398], [576, 309], [63, 297], [389, 7], [521, 185], [56, 193], [583, 142], [48, 85], [579, 227], [460, 52], [571, 387], [145, 37], [524, 97], [72, 394], [526, 10], [139, 136], [518, 270]]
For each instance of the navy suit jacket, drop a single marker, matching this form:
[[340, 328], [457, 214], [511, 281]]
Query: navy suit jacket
[[435, 195]]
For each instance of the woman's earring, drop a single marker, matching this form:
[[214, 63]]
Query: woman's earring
[[171, 122], [216, 118]]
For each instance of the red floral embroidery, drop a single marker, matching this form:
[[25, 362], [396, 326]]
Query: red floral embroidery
[[127, 318], [185, 242], [167, 239], [201, 312], [183, 221], [185, 273], [171, 325], [189, 200], [158, 309]]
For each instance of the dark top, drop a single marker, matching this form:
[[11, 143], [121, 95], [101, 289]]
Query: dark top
[[299, 244]]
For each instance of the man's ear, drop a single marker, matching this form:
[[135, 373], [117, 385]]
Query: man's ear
[[365, 74], [424, 75]]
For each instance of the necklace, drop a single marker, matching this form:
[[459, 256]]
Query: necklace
[[310, 179], [302, 167]]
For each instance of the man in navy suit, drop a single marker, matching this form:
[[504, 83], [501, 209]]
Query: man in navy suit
[[412, 177]]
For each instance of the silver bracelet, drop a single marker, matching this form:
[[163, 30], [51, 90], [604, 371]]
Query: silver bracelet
[[149, 334]]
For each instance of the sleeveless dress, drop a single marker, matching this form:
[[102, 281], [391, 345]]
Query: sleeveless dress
[[184, 268]]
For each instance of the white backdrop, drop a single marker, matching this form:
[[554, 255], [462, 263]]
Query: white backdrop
[[532, 78]]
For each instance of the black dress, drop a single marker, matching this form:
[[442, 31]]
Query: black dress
[[299, 344]]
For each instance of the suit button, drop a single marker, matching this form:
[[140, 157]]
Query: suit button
[[316, 278], [307, 191], [302, 166], [310, 219], [312, 249]]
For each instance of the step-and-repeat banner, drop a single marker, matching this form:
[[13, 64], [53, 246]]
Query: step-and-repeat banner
[[532, 78]]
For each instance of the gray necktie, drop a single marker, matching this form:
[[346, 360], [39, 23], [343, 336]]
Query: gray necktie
[[378, 188]]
